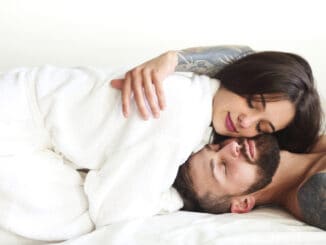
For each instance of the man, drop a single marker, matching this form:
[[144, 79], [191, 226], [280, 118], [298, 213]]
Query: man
[[216, 173], [299, 185], [126, 189]]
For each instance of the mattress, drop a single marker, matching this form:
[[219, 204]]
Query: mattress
[[264, 225]]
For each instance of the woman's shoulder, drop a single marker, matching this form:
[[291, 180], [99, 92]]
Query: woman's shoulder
[[311, 197]]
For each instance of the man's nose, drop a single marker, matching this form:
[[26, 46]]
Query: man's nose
[[214, 147], [247, 121], [235, 149]]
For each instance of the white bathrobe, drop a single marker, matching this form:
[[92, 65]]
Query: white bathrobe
[[73, 117]]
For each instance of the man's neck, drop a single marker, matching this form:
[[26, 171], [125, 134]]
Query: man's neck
[[292, 171]]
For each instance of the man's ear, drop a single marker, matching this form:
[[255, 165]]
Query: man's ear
[[243, 204]]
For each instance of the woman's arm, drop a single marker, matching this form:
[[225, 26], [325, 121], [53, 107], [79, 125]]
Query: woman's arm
[[145, 80], [209, 60], [320, 145], [311, 199]]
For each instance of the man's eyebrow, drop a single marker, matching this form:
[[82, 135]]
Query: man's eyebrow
[[211, 163]]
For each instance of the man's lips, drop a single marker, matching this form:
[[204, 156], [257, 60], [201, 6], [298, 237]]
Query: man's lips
[[250, 149], [229, 124]]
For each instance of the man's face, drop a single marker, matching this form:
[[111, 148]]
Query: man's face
[[224, 169]]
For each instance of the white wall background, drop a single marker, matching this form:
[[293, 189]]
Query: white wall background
[[126, 32]]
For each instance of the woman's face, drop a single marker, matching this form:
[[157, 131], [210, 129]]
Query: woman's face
[[235, 116]]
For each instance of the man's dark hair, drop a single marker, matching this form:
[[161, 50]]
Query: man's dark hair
[[269, 157], [282, 76]]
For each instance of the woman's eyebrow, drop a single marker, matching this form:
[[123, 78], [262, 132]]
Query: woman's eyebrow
[[263, 101]]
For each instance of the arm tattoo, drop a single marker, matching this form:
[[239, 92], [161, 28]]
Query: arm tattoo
[[209, 60], [312, 200]]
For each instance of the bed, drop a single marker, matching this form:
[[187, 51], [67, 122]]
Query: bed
[[265, 225]]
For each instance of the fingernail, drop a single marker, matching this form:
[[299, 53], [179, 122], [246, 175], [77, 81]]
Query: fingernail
[[145, 116]]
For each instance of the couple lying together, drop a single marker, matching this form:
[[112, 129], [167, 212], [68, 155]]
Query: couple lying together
[[72, 161]]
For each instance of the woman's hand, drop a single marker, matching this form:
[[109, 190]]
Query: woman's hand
[[145, 83]]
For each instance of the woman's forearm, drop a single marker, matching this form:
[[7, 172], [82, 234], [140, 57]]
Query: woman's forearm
[[209, 60], [320, 145]]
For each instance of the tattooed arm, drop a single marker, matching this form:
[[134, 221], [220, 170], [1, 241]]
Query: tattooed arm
[[145, 80], [312, 200], [209, 60]]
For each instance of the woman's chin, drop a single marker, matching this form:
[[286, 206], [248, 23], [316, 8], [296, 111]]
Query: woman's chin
[[225, 132]]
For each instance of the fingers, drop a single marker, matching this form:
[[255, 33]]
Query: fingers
[[137, 87], [117, 83], [139, 82], [149, 93], [126, 95], [159, 90], [145, 83]]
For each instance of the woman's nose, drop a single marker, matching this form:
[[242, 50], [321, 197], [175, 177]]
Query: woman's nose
[[246, 121]]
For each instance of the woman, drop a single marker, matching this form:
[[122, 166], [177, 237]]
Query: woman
[[262, 92]]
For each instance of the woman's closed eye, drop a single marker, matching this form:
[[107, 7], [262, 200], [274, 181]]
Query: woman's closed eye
[[260, 105], [258, 129], [264, 127]]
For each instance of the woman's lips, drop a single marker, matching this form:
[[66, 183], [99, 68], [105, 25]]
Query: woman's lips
[[229, 124]]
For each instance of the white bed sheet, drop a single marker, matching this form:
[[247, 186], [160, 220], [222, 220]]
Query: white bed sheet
[[265, 225]]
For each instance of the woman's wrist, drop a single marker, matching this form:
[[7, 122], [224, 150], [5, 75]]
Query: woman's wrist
[[173, 59]]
